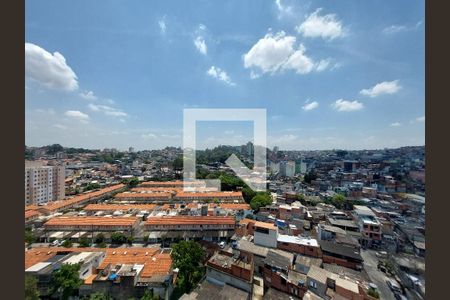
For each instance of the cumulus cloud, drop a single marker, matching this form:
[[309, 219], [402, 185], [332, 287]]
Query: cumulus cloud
[[396, 124], [420, 119], [277, 52], [327, 26], [78, 115], [107, 110], [148, 136], [347, 105], [60, 126], [199, 41], [88, 95], [220, 75], [394, 29], [50, 70], [382, 88], [283, 9], [310, 105], [162, 25]]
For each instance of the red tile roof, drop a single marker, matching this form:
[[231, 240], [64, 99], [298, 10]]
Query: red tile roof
[[155, 262], [190, 220], [94, 221], [113, 207]]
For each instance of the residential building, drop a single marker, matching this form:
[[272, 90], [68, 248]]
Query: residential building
[[301, 245], [235, 269], [210, 228], [43, 183], [368, 224], [287, 168]]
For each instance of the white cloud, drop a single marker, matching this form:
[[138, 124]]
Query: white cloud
[[283, 9], [49, 111], [199, 41], [385, 87], [310, 105], [60, 126], [326, 26], [394, 29], [276, 53], [220, 74], [420, 119], [88, 95], [149, 136], [107, 110], [50, 70], [347, 105], [78, 115], [200, 44], [396, 124], [162, 25]]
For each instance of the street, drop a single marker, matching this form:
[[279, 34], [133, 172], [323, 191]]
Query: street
[[377, 277]]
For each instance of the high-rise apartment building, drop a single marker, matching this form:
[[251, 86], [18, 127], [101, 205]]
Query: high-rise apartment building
[[43, 183], [287, 168]]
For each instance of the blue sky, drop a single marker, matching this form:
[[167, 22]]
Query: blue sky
[[331, 74]]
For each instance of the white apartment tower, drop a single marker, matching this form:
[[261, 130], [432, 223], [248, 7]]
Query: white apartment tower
[[43, 183]]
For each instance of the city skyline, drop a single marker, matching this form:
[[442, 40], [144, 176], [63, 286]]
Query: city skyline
[[329, 75]]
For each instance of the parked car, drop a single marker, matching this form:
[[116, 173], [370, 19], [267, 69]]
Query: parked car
[[55, 243], [222, 244], [394, 286], [399, 296]]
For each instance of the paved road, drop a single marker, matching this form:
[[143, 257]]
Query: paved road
[[377, 277]]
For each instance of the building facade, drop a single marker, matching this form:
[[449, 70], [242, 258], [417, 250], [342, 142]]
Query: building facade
[[43, 183]]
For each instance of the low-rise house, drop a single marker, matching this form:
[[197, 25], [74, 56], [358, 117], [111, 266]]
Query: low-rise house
[[259, 253], [302, 245], [341, 255], [120, 273], [91, 224], [368, 224], [265, 234], [304, 263], [278, 273], [193, 227], [235, 269]]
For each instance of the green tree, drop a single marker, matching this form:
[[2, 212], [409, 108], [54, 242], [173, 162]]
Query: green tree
[[29, 237], [146, 238], [260, 200], [98, 296], [31, 290], [66, 280], [67, 243], [99, 238], [149, 295], [310, 176], [84, 242], [248, 194], [338, 200], [187, 256], [131, 182], [118, 238], [92, 186]]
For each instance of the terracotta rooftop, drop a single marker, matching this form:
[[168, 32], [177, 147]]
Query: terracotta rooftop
[[156, 189], [208, 194], [31, 213], [95, 221], [143, 195], [113, 207], [190, 220], [81, 198], [258, 224], [155, 262]]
